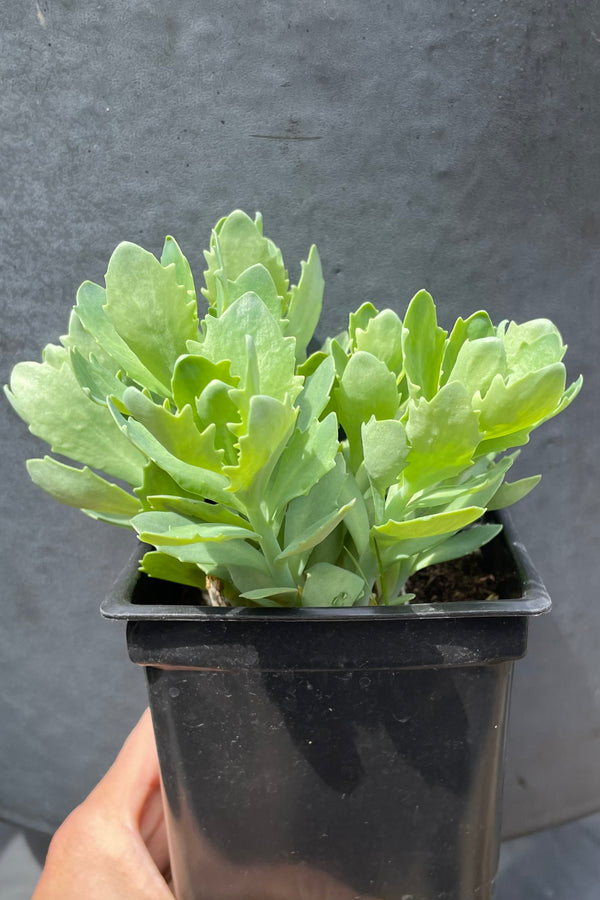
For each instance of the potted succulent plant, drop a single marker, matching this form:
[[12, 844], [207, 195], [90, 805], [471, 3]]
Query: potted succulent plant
[[315, 720]]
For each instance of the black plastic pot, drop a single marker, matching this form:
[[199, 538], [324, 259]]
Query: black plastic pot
[[331, 754]]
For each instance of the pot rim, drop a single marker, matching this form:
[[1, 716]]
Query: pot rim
[[534, 601]]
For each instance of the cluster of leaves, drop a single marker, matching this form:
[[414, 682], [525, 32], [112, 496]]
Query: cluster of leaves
[[287, 481]]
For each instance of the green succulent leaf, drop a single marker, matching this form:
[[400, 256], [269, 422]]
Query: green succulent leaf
[[383, 338], [81, 488], [161, 565], [385, 448], [423, 346], [316, 533], [149, 309], [428, 526], [306, 300], [367, 388], [443, 434], [172, 255], [458, 545], [477, 326], [236, 244], [507, 494], [174, 528], [329, 585], [51, 400]]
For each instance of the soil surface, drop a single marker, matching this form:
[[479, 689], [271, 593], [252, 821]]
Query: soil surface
[[465, 579]]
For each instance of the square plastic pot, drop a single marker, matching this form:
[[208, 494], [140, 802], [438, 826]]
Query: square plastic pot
[[331, 754]]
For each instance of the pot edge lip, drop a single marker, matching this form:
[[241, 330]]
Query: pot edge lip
[[535, 601]]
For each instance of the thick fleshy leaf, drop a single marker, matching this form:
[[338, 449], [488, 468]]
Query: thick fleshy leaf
[[308, 456], [211, 556], [443, 434], [173, 528], [91, 312], [367, 388], [149, 309], [517, 405], [256, 280], [172, 255], [161, 565], [203, 482], [306, 300], [315, 534], [383, 338], [196, 509], [385, 448], [285, 595], [236, 244], [478, 325], [266, 416], [177, 432], [81, 488], [428, 526], [360, 320], [509, 493], [458, 545], [328, 585], [315, 393], [191, 375], [423, 346], [478, 363], [225, 338], [94, 378], [57, 410]]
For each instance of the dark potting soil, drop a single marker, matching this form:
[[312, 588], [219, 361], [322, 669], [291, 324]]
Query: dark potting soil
[[465, 579]]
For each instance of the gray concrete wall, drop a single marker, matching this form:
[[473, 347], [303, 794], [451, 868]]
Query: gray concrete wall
[[451, 146]]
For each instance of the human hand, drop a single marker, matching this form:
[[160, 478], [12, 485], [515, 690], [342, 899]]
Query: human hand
[[114, 845]]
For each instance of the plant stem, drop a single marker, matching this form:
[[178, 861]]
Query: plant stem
[[280, 571]]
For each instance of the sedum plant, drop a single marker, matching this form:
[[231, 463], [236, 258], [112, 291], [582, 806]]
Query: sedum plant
[[267, 477]]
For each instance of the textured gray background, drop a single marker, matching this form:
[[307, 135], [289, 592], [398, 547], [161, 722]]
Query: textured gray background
[[452, 146]]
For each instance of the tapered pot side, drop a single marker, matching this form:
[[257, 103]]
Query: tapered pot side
[[355, 751]]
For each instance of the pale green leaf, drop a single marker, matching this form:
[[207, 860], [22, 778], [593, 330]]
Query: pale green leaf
[[367, 388], [510, 493], [211, 556], [91, 312], [316, 534], [225, 338], [236, 244], [383, 338], [193, 373], [177, 432], [203, 482], [422, 345], [514, 406], [385, 448], [316, 393], [161, 565], [196, 509], [153, 314], [81, 488], [478, 363], [443, 434], [172, 255], [478, 325], [170, 528], [57, 410], [458, 545], [308, 456], [328, 585], [306, 300], [257, 280], [267, 416], [428, 526]]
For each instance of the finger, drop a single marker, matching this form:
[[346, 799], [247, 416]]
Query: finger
[[133, 776]]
